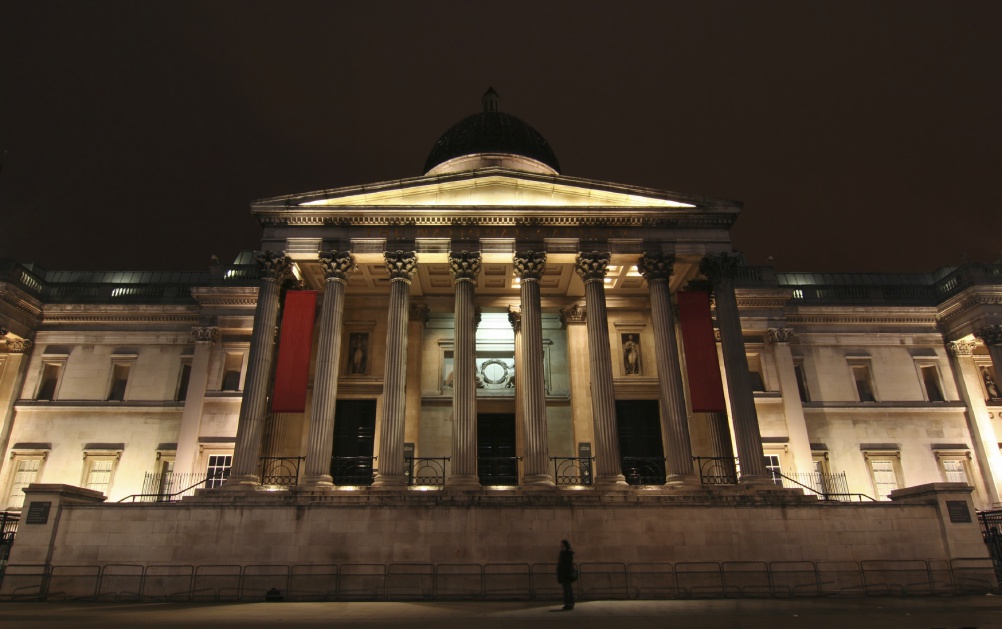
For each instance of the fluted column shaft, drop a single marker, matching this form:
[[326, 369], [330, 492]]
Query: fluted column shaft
[[275, 268], [402, 266], [656, 269], [721, 270], [608, 466], [793, 408], [465, 266], [529, 267], [338, 267], [986, 449]]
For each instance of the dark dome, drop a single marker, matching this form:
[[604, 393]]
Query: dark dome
[[491, 131]]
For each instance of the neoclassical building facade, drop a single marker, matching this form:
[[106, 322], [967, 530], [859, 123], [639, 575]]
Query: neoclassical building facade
[[494, 325]]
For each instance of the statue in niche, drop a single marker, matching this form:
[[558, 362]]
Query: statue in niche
[[991, 386], [358, 358], [631, 355]]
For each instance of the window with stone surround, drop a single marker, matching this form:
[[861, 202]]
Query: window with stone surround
[[863, 379], [217, 469], [121, 369], [932, 383], [798, 370], [50, 377], [231, 378], [99, 469], [885, 472], [25, 469], [955, 465], [184, 376]]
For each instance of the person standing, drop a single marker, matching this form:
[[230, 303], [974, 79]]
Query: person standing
[[566, 573]]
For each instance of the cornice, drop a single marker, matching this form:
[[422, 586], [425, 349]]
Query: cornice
[[11, 294], [56, 314], [216, 296], [762, 298], [967, 299]]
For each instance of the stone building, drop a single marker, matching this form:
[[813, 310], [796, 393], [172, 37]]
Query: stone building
[[496, 326]]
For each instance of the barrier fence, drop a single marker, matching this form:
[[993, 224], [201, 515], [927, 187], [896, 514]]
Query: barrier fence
[[516, 581]]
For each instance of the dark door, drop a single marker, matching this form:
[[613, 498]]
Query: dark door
[[354, 434], [496, 462], [638, 424]]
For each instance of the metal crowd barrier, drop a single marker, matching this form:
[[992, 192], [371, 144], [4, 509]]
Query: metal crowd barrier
[[417, 581]]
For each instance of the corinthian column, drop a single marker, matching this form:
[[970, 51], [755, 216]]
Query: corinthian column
[[986, 449], [275, 267], [338, 266], [529, 267], [465, 267], [721, 269], [656, 269], [401, 265], [608, 466]]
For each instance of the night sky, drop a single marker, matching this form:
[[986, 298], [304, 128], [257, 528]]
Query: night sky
[[861, 136]]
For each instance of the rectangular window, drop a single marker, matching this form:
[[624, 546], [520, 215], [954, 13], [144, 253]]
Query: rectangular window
[[773, 465], [218, 470], [119, 381], [232, 370], [930, 378], [954, 470], [25, 473], [805, 395], [50, 381], [182, 385], [98, 473], [864, 382], [885, 472], [755, 376]]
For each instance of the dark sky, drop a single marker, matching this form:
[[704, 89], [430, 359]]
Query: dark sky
[[861, 136]]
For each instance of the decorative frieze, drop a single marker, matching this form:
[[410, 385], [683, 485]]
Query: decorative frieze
[[16, 346], [401, 265], [990, 335], [779, 335], [464, 265], [656, 266], [274, 265], [529, 265], [592, 266], [338, 265]]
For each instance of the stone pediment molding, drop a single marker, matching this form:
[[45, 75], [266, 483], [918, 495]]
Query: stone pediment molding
[[20, 300], [140, 314], [958, 305], [750, 298]]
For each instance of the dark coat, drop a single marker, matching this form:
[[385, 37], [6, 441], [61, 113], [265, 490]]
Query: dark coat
[[565, 567]]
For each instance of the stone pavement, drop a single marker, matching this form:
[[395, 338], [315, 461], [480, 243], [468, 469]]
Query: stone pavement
[[856, 613]]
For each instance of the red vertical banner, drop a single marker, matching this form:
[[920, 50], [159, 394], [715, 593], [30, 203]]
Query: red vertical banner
[[295, 342], [705, 387]]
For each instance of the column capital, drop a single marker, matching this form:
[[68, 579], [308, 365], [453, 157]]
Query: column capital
[[990, 335], [720, 267], [654, 265], [337, 265], [961, 348], [464, 265], [529, 265], [779, 335], [18, 346], [418, 313], [515, 318], [274, 265], [573, 314], [204, 334], [402, 265], [593, 265]]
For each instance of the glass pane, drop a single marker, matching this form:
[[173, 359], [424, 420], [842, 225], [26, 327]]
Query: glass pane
[[954, 471], [99, 475], [884, 477], [27, 470]]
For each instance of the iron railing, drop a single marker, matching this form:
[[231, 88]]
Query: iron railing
[[717, 470], [8, 530], [643, 470], [991, 531], [572, 470], [827, 486], [171, 487], [513, 581], [282, 471], [498, 471], [426, 471], [353, 470]]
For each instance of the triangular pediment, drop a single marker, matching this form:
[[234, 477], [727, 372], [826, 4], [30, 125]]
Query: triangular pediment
[[493, 187]]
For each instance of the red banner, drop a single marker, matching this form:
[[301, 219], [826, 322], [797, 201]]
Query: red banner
[[294, 345], [705, 388]]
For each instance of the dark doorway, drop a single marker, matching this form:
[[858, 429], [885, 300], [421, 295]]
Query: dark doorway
[[496, 460], [354, 434], [638, 424]]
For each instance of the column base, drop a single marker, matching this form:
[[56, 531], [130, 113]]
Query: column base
[[616, 482], [683, 480], [241, 482], [387, 482], [463, 481], [320, 481], [538, 481]]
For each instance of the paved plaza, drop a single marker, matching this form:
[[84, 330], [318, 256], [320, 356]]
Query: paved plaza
[[855, 613]]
